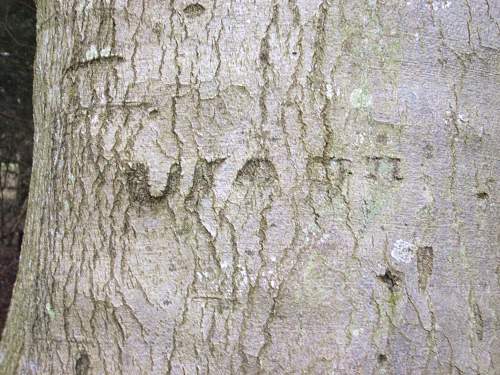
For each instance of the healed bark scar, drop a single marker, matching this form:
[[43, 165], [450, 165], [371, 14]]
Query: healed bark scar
[[194, 10]]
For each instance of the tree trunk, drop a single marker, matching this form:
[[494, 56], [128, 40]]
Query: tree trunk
[[262, 187]]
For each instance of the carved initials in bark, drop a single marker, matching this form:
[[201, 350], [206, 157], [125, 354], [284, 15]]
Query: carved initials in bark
[[203, 180], [333, 171], [257, 173], [138, 183], [384, 168], [98, 45]]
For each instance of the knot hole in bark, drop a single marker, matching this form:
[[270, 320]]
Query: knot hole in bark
[[194, 10], [382, 358], [82, 364], [390, 279], [482, 195]]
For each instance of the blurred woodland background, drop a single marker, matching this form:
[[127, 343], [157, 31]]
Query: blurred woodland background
[[17, 48]]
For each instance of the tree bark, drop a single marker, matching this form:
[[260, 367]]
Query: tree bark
[[262, 187]]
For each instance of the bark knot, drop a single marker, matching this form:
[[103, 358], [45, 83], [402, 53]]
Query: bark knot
[[194, 10], [82, 364]]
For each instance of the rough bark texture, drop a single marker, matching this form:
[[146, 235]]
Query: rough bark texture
[[270, 187]]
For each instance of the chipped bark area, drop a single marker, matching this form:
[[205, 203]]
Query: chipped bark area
[[262, 187]]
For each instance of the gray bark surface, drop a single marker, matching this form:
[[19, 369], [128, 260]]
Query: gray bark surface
[[267, 187]]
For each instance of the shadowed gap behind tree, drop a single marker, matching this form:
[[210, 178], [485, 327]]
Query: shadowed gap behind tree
[[17, 48]]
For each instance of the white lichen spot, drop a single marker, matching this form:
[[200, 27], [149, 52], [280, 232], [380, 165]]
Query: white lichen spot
[[329, 90], [403, 251], [463, 118], [324, 238], [50, 311], [361, 98], [2, 356], [91, 53], [273, 283], [437, 5], [84, 6], [105, 52], [30, 367], [151, 224], [360, 138], [243, 278]]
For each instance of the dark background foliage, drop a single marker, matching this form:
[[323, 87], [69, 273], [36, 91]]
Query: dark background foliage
[[17, 48]]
